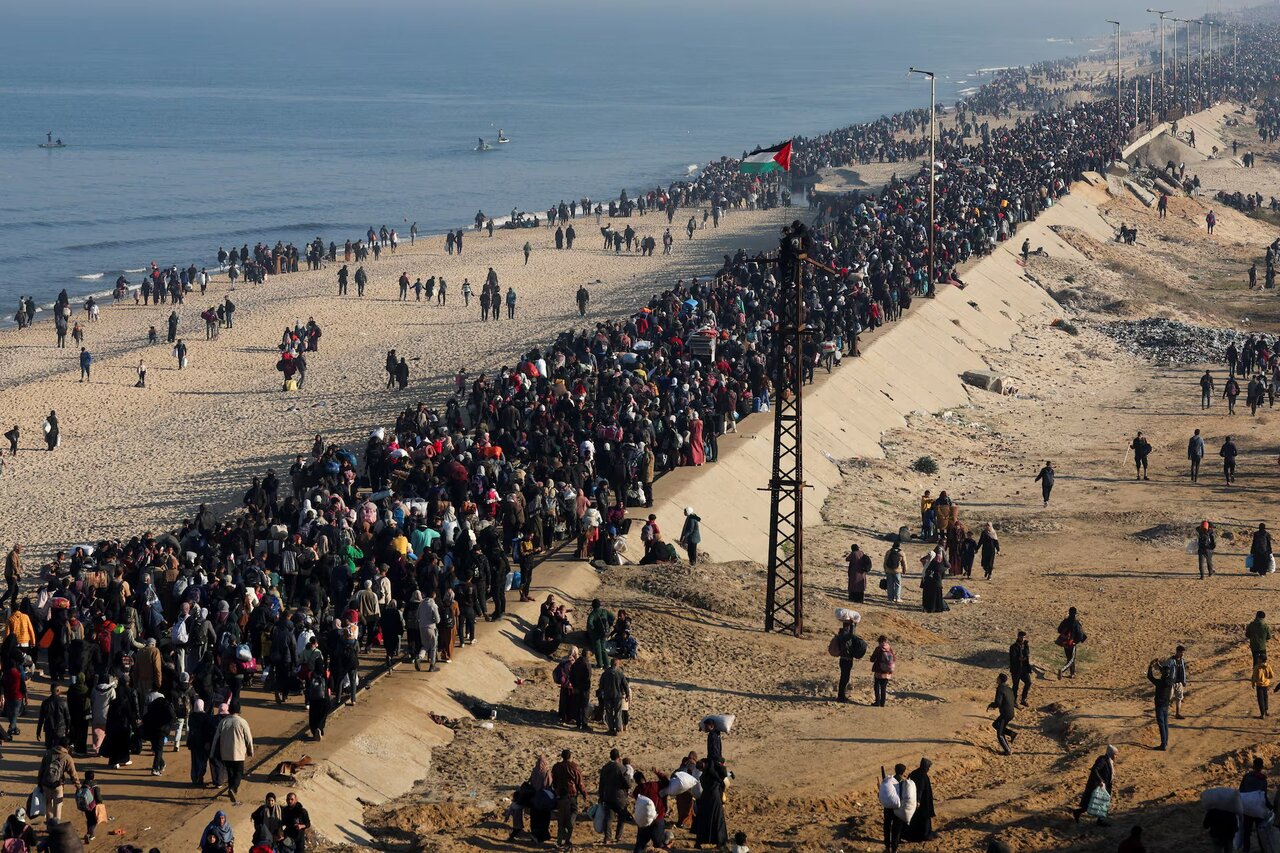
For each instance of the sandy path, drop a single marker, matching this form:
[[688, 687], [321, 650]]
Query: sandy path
[[136, 459]]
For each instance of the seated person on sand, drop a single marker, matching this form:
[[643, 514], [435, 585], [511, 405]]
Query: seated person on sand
[[660, 552]]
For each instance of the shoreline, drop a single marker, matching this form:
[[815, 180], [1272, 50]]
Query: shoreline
[[986, 77]]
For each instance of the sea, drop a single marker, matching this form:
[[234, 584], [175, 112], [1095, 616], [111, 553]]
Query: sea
[[204, 124]]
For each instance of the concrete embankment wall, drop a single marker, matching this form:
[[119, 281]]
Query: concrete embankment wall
[[909, 366]]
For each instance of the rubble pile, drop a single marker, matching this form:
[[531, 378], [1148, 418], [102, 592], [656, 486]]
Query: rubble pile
[[1169, 341]]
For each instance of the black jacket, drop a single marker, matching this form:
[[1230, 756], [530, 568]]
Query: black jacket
[[1019, 659], [1005, 702]]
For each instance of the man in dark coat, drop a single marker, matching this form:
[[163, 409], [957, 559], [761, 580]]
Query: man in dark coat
[[1005, 702], [55, 717], [921, 826]]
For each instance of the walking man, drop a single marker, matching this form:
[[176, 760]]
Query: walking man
[[1141, 450], [1020, 665], [1159, 675], [1229, 454], [1195, 453], [1206, 543], [86, 361], [1045, 479], [849, 646], [1258, 633], [569, 786], [1004, 703], [1206, 390]]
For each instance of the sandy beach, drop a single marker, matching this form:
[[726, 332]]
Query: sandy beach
[[142, 459]]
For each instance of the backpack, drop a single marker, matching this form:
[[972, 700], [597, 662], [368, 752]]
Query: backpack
[[860, 648], [884, 666], [53, 770], [85, 800], [446, 617], [1066, 638], [15, 845]]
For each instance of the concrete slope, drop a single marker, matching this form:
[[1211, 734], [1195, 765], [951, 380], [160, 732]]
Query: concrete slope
[[905, 367]]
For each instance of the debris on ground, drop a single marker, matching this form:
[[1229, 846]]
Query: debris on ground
[[1169, 341]]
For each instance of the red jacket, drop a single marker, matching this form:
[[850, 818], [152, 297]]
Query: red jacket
[[651, 790], [13, 685]]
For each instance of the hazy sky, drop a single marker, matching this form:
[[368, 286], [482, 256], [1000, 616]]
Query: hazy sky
[[677, 19]]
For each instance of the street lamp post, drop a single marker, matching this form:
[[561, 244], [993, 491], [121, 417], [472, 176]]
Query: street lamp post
[[1119, 121], [1200, 64], [1161, 13], [933, 101]]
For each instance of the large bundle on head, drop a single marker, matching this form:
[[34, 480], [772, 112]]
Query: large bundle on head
[[844, 614], [680, 783], [721, 722]]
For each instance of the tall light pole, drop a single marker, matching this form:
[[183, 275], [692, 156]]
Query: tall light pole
[[1161, 13], [1200, 50], [933, 102], [1119, 121], [1209, 73]]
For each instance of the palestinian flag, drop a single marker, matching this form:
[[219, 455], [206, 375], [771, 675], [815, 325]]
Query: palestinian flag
[[765, 160]]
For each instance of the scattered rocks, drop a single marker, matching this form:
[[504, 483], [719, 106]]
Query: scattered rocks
[[1169, 341]]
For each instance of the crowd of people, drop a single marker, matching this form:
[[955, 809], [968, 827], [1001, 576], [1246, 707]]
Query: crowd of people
[[404, 544]]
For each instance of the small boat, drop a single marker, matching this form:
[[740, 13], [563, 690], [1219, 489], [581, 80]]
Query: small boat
[[502, 140], [50, 142]]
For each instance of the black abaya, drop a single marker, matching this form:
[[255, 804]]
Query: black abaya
[[921, 826]]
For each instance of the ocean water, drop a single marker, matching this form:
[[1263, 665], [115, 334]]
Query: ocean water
[[192, 126]]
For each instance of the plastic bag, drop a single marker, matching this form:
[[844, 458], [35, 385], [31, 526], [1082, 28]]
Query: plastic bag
[[599, 818], [1099, 803], [35, 803], [844, 614], [646, 811]]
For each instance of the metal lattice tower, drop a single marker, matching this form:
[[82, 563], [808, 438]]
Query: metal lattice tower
[[784, 596]]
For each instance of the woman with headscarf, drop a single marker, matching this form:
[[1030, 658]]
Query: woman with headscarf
[[448, 625], [931, 583], [1101, 775], [921, 826], [859, 566], [217, 836], [697, 450], [708, 821], [104, 693], [119, 731], [566, 710], [955, 547], [523, 801], [78, 703], [988, 547]]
